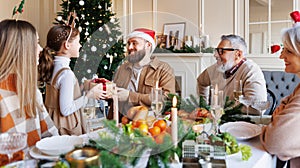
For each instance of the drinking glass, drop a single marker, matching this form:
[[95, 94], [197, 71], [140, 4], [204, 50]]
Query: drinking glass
[[246, 101], [156, 97], [89, 109], [237, 90], [12, 142], [260, 106]]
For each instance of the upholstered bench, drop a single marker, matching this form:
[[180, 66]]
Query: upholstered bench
[[280, 83]]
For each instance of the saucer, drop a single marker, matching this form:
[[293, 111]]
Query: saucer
[[37, 154]]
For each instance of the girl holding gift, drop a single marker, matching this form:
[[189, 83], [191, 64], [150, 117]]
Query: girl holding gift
[[64, 100], [21, 103]]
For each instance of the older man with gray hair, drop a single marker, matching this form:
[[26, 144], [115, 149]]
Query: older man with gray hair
[[232, 66]]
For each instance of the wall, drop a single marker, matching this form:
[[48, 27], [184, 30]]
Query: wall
[[40, 13]]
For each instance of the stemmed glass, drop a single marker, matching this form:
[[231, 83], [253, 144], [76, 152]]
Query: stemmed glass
[[12, 142], [237, 90], [260, 106], [246, 101], [156, 97]]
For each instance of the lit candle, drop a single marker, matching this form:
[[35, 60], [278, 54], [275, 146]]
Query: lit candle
[[174, 121]]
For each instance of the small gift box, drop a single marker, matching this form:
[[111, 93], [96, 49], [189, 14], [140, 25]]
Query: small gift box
[[107, 85]]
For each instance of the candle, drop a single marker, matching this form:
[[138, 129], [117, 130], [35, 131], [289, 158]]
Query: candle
[[156, 97], [174, 122], [215, 97], [115, 106], [111, 59]]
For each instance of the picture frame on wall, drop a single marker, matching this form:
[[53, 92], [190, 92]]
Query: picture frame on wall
[[175, 33]]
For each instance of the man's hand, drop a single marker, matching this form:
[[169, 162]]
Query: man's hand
[[123, 94]]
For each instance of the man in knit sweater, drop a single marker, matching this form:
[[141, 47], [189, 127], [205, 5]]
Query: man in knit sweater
[[231, 66]]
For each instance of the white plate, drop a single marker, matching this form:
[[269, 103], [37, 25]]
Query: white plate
[[241, 130], [37, 154], [57, 145]]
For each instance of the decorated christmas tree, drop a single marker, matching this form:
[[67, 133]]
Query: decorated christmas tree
[[102, 46]]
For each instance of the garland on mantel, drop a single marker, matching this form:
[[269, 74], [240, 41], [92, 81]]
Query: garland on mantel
[[185, 49]]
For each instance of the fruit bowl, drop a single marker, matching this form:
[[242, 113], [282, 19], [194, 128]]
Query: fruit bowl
[[57, 145]]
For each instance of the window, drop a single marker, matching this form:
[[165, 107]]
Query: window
[[266, 20]]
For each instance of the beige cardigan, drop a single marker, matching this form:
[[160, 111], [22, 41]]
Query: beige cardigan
[[282, 136]]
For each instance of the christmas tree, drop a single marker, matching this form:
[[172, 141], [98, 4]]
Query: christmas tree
[[102, 46]]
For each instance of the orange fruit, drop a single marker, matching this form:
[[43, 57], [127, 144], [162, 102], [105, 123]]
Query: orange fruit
[[143, 128], [161, 124], [154, 131], [140, 122], [125, 120], [159, 139]]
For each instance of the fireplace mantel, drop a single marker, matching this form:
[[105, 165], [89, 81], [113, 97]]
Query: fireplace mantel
[[187, 67]]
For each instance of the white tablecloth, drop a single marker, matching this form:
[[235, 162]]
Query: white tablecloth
[[259, 159]]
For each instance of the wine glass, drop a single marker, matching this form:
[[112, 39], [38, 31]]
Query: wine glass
[[156, 97], [246, 101], [12, 142], [89, 109], [237, 90], [260, 105]]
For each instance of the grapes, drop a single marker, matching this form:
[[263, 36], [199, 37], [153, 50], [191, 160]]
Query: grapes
[[246, 152]]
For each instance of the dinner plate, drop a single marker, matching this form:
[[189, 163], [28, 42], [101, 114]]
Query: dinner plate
[[241, 130], [37, 154]]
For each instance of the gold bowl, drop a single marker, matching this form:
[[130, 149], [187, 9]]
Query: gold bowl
[[83, 157]]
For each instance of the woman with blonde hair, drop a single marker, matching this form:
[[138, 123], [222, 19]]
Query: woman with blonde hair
[[21, 103], [64, 99]]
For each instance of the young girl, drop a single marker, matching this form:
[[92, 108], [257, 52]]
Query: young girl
[[21, 103], [63, 95]]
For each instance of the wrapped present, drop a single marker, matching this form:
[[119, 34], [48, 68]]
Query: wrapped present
[[107, 85]]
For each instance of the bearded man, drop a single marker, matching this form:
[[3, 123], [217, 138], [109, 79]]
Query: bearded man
[[141, 71], [232, 66]]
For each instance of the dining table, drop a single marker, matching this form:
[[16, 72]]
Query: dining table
[[260, 157]]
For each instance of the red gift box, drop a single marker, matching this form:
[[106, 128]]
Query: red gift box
[[107, 84]]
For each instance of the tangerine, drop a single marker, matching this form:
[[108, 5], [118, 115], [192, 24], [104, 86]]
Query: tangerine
[[140, 122], [154, 131], [159, 139], [161, 124]]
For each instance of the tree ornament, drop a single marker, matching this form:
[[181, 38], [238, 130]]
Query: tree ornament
[[80, 29], [105, 67], [59, 18], [99, 6], [104, 46], [112, 20], [81, 2], [87, 23], [88, 70], [86, 33], [93, 48], [110, 39]]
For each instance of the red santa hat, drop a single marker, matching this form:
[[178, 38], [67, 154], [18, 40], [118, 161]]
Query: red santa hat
[[144, 33]]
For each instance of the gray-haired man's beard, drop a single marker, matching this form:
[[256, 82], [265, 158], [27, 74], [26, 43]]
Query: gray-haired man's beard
[[137, 56], [224, 67]]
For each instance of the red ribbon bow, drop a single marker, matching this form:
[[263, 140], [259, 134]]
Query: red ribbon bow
[[275, 48], [295, 16], [101, 80]]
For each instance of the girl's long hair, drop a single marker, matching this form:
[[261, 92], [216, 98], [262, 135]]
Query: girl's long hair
[[18, 58], [56, 37]]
